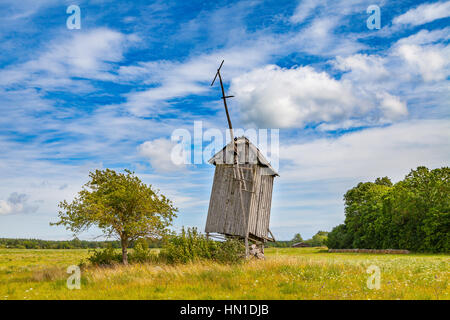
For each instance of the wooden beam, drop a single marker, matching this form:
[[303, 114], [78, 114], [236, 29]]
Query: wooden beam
[[271, 234]]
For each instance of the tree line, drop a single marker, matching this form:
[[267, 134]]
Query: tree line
[[317, 240], [65, 244], [413, 214]]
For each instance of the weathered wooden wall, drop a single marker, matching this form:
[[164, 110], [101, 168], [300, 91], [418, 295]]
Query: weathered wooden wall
[[260, 213], [225, 215]]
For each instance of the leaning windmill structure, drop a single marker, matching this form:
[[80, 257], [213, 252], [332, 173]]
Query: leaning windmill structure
[[241, 194]]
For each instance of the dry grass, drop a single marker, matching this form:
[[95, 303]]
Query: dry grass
[[49, 274], [300, 273]]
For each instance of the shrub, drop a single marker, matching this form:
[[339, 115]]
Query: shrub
[[141, 253], [230, 251], [106, 256], [191, 246]]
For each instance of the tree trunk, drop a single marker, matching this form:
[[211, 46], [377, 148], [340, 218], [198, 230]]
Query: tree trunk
[[124, 243]]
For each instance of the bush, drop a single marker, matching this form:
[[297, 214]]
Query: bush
[[141, 253], [110, 256], [189, 246], [192, 246], [230, 251], [106, 256]]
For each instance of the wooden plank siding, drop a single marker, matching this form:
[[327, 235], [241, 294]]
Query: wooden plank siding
[[264, 204], [224, 213], [254, 202]]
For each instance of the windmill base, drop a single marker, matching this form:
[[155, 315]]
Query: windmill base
[[257, 252], [254, 246]]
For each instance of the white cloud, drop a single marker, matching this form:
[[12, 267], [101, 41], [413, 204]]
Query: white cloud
[[322, 19], [160, 153], [171, 80], [424, 37], [89, 55], [86, 54], [370, 153], [431, 62], [319, 38], [283, 98], [17, 204], [304, 10], [363, 67], [414, 69], [423, 56], [346, 124], [392, 107], [424, 13], [25, 8], [290, 98]]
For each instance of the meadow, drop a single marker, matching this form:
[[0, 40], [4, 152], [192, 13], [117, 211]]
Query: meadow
[[287, 273]]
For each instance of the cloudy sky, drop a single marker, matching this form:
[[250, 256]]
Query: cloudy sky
[[351, 103]]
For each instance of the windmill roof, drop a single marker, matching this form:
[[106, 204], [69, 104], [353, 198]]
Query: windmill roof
[[248, 153]]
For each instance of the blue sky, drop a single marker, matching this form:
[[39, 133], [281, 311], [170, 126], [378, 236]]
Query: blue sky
[[351, 104]]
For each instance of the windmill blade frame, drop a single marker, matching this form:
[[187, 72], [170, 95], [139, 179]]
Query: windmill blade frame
[[237, 172]]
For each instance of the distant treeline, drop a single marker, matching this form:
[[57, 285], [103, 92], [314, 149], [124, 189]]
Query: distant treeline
[[318, 240], [64, 244], [280, 244], [413, 214]]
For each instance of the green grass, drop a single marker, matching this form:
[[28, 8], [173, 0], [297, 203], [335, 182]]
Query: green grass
[[288, 273]]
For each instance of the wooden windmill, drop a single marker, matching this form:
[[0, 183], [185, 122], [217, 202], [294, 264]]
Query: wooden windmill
[[241, 194]]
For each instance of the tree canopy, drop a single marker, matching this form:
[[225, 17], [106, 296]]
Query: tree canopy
[[412, 214], [297, 238], [121, 206], [318, 240]]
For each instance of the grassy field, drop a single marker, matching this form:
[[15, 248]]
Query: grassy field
[[291, 273]]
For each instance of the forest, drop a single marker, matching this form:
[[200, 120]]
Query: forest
[[412, 214], [64, 244]]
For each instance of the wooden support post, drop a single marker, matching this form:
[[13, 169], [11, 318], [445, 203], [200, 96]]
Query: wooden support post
[[246, 246], [207, 236]]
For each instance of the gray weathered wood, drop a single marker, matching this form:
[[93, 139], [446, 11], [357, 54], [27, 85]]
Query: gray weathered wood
[[225, 214]]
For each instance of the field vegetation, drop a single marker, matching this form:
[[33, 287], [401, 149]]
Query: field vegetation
[[287, 273]]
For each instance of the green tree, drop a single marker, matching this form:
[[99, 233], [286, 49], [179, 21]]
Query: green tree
[[338, 238], [363, 205], [418, 210], [297, 238], [385, 181], [413, 214], [121, 206], [318, 240]]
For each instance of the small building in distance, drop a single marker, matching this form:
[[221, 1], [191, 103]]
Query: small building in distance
[[300, 245]]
